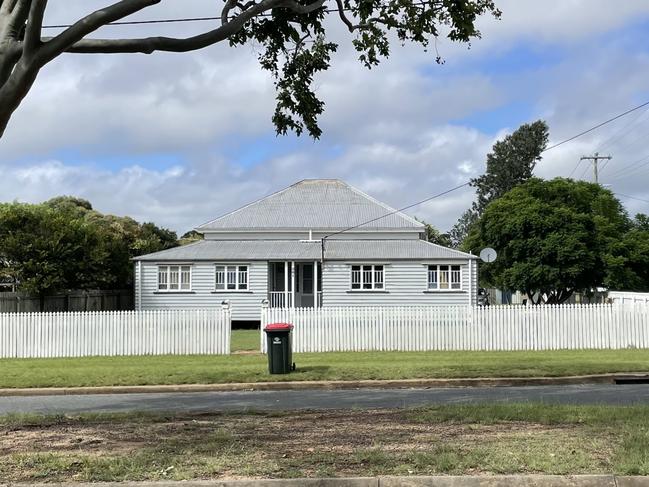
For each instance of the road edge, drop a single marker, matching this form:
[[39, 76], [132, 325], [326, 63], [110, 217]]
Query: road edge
[[331, 385], [435, 481]]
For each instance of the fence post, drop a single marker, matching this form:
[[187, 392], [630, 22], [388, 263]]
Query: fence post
[[226, 317], [265, 306]]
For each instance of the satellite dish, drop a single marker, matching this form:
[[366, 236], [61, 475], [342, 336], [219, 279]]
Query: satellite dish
[[488, 255]]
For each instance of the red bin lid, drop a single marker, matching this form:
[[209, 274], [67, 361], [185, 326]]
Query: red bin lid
[[278, 327]]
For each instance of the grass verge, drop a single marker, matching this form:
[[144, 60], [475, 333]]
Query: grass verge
[[156, 370], [463, 439]]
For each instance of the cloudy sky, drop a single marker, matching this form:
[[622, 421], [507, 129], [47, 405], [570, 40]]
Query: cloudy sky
[[181, 139]]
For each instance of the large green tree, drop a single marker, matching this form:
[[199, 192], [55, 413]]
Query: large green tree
[[43, 250], [627, 266], [291, 36], [433, 235], [65, 244], [462, 228], [510, 163], [552, 237]]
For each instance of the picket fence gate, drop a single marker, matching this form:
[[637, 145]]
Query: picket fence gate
[[112, 333], [553, 327]]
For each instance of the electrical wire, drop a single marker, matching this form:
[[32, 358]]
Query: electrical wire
[[574, 169], [400, 209], [623, 131], [193, 19], [469, 182], [601, 169], [142, 22], [598, 126], [631, 197], [630, 168]]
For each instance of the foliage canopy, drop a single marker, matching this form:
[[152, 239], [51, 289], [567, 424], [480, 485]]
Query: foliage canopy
[[560, 236], [510, 163], [65, 244], [292, 37]]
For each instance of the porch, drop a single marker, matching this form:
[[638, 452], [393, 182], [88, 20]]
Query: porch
[[295, 284]]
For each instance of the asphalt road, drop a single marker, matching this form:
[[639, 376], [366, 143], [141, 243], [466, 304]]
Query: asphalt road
[[319, 399]]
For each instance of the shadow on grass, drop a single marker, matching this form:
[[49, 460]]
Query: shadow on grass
[[310, 369]]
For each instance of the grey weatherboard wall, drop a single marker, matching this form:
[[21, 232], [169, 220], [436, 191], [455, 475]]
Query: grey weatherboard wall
[[405, 285]]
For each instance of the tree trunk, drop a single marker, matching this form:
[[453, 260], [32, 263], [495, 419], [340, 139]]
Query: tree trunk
[[14, 90]]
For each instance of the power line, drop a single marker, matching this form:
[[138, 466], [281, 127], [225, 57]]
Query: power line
[[469, 182], [631, 197], [598, 126], [604, 166], [195, 19], [401, 209], [143, 22], [630, 168], [623, 131], [574, 169]]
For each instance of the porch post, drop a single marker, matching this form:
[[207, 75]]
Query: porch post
[[472, 265], [315, 283], [293, 284], [286, 284]]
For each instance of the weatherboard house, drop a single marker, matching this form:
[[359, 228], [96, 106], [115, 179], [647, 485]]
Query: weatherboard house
[[317, 243]]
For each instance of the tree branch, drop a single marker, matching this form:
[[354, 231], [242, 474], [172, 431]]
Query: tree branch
[[90, 23], [302, 9], [229, 5], [15, 13], [149, 45], [343, 17], [8, 60], [34, 26]]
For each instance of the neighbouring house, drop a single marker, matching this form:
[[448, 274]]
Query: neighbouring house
[[319, 242]]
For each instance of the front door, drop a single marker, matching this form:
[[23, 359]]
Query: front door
[[304, 288]]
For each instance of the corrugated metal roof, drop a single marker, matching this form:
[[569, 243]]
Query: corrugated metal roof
[[328, 204], [243, 250]]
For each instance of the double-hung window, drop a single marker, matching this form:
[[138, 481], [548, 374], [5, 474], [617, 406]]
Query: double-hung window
[[231, 278], [367, 277], [444, 277], [174, 278]]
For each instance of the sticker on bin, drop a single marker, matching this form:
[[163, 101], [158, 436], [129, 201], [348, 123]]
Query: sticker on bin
[[278, 327]]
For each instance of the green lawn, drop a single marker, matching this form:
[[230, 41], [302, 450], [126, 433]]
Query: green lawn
[[482, 439], [102, 371], [245, 340]]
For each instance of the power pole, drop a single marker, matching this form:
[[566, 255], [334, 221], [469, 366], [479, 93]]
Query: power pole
[[595, 159]]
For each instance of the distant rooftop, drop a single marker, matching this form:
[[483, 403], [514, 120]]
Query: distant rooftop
[[326, 204]]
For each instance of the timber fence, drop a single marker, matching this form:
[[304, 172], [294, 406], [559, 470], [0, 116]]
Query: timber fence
[[93, 300], [113, 333], [553, 327]]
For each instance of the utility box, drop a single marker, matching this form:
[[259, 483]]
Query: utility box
[[279, 348]]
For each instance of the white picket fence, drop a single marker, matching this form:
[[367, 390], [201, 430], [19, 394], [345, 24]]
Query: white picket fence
[[112, 333], [625, 297], [591, 326]]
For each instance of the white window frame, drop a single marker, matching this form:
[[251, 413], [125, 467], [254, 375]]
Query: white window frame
[[373, 281], [437, 268], [237, 278], [167, 273]]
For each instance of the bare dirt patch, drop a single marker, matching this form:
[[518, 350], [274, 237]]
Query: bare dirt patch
[[340, 431], [288, 445]]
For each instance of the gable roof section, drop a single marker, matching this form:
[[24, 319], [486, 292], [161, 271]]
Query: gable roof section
[[314, 204], [244, 250]]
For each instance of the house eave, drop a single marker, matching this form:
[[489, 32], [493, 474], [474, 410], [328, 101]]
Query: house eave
[[272, 230]]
